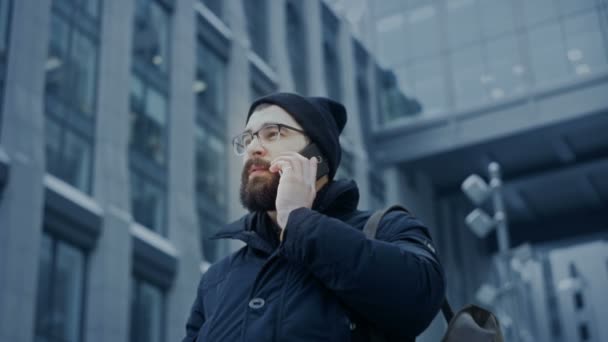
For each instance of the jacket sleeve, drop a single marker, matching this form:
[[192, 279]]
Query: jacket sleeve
[[395, 282], [196, 317]]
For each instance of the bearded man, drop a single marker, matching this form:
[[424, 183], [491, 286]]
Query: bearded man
[[307, 272]]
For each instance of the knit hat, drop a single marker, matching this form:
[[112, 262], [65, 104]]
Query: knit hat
[[321, 118]]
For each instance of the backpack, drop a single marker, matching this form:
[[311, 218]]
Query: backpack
[[471, 323]]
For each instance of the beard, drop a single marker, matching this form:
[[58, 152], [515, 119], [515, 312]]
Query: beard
[[259, 193]]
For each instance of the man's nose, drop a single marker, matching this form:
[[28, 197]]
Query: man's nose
[[255, 148]]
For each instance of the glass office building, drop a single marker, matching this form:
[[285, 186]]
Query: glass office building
[[115, 159]]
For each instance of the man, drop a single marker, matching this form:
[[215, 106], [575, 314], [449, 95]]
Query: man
[[307, 272]]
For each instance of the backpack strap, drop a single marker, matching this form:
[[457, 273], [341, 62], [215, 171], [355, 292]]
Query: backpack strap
[[371, 228]]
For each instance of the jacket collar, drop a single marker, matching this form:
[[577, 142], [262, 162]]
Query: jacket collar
[[258, 231]]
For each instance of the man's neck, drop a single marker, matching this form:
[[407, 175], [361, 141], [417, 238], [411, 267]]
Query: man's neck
[[321, 182]]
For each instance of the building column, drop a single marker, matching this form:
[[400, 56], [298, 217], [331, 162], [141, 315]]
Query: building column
[[313, 25], [184, 231], [21, 204], [110, 265]]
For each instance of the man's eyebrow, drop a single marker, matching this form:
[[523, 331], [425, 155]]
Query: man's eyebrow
[[262, 125]]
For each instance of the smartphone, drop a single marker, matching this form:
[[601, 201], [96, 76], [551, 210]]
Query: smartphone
[[312, 150]]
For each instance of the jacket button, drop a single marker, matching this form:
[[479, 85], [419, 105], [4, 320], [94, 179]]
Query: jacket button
[[256, 303]]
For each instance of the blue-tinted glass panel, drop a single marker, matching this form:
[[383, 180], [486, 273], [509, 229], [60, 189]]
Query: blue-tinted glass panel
[[67, 293], [423, 23], [77, 161], [462, 24], [586, 50], [84, 56], [148, 203], [5, 6], [296, 44], [148, 121], [57, 64], [257, 26], [538, 11], [210, 84], [496, 17], [429, 85], [470, 78], [548, 54], [60, 292], [506, 72], [151, 34], [147, 306], [387, 6], [53, 142], [210, 168]]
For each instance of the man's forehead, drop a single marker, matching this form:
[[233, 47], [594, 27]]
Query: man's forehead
[[270, 114]]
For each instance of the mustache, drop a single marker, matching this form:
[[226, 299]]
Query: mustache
[[258, 162]]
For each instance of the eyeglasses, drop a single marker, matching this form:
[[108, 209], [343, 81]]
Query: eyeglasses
[[268, 134]]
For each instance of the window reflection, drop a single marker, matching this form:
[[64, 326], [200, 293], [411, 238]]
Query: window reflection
[[148, 202], [147, 306], [148, 121], [210, 170], [296, 43], [60, 291], [257, 26], [429, 85], [70, 91], [151, 34], [462, 26], [470, 79]]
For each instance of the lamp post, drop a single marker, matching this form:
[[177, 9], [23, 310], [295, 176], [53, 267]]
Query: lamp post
[[478, 191]]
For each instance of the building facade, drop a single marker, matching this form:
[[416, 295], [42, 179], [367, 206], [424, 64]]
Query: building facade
[[115, 156], [521, 83]]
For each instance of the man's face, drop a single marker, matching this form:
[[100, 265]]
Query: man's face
[[258, 185]]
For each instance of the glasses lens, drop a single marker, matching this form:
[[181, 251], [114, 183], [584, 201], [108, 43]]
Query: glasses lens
[[270, 133]]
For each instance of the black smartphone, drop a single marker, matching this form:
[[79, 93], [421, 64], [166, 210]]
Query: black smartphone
[[312, 150]]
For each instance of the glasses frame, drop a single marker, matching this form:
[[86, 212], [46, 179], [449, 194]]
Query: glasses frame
[[256, 134]]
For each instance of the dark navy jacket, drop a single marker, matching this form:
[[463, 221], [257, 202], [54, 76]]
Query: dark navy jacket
[[324, 282]]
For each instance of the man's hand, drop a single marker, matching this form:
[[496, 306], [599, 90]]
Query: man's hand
[[297, 186]]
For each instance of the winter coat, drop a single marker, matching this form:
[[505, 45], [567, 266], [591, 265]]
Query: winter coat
[[324, 282]]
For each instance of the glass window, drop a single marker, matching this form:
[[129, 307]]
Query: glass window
[[257, 26], [506, 73], [462, 22], [424, 25], [84, 55], [60, 292], [147, 307], [538, 11], [331, 54], [210, 168], [496, 17], [547, 54], [429, 85], [148, 121], [469, 76], [210, 84], [296, 43], [92, 7], [70, 92], [151, 34], [586, 51], [76, 162], [148, 203]]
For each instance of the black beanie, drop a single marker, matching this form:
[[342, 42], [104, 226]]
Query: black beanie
[[321, 118]]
